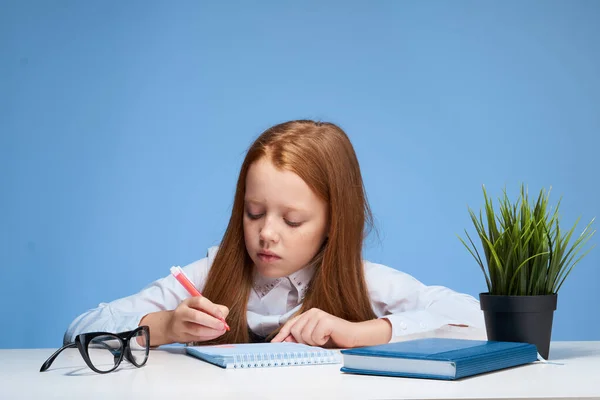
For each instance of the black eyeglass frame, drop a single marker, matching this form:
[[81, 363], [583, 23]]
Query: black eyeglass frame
[[83, 340]]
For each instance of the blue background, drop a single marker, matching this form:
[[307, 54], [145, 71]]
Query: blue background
[[123, 125]]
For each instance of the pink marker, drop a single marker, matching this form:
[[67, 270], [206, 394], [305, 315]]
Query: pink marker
[[178, 273]]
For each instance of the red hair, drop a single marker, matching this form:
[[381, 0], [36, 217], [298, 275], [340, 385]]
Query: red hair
[[321, 154]]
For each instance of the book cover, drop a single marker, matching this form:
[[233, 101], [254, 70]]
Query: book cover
[[437, 358]]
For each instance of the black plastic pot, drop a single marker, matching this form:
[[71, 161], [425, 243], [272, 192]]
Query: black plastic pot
[[525, 319]]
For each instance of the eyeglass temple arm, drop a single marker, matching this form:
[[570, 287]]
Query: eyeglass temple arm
[[51, 359]]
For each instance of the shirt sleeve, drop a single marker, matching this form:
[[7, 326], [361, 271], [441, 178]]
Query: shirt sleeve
[[124, 314], [415, 309]]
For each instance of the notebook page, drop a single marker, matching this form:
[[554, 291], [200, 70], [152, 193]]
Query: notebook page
[[255, 355]]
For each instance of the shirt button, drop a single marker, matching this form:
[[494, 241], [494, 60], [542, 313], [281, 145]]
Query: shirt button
[[423, 325], [403, 326]]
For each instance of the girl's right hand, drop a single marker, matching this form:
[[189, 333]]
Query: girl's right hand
[[193, 321]]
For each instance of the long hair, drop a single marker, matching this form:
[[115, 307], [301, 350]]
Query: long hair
[[321, 154]]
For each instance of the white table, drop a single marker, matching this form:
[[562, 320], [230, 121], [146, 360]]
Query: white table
[[171, 374]]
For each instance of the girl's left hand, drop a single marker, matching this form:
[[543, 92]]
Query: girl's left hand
[[315, 327]]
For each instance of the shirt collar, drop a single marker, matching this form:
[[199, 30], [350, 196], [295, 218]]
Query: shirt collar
[[299, 280]]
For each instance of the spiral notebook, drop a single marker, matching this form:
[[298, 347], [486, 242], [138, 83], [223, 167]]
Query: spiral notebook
[[261, 355]]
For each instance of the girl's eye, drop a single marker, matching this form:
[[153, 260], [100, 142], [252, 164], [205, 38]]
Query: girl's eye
[[253, 216], [293, 224]]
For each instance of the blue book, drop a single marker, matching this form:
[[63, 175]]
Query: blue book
[[437, 358], [261, 355]]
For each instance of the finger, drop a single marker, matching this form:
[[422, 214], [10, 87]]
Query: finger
[[322, 332], [296, 330], [307, 331], [203, 304], [285, 330], [216, 310], [224, 310], [201, 318], [201, 333], [290, 339]]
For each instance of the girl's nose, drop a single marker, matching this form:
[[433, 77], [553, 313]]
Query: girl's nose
[[268, 233]]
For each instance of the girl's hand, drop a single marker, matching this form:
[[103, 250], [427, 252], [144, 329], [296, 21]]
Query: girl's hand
[[193, 321], [318, 328]]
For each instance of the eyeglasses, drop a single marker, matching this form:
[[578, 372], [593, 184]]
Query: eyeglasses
[[103, 351]]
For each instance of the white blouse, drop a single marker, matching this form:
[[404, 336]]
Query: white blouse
[[412, 308]]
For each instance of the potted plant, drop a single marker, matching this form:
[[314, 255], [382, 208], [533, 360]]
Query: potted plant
[[527, 257]]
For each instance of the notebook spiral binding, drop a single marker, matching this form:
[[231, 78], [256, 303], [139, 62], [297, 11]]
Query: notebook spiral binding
[[284, 359]]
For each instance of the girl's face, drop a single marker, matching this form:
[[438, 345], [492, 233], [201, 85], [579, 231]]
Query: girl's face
[[285, 223]]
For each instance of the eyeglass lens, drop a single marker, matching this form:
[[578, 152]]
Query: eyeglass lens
[[104, 352], [138, 347]]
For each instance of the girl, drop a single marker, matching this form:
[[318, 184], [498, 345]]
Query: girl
[[290, 267]]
